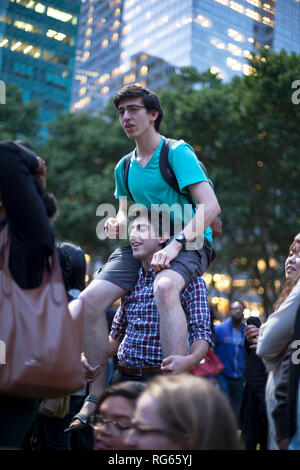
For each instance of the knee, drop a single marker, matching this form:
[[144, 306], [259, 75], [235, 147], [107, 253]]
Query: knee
[[165, 289]]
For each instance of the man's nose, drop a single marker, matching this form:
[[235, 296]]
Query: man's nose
[[126, 114], [102, 429]]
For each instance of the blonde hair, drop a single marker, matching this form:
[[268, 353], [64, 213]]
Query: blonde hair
[[289, 283], [195, 413]]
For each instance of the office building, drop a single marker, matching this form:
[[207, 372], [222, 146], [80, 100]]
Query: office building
[[37, 51], [128, 41]]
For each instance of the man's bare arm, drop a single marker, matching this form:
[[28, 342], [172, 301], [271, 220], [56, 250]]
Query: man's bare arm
[[113, 346], [177, 364]]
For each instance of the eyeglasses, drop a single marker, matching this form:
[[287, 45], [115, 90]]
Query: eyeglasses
[[132, 109], [141, 429], [113, 427]]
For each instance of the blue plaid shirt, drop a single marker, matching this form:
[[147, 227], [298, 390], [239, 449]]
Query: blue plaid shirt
[[136, 322]]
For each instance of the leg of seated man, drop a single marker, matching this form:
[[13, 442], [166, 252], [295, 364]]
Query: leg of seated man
[[168, 286], [94, 301], [172, 320]]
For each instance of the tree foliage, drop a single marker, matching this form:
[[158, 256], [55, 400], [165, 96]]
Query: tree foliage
[[18, 120]]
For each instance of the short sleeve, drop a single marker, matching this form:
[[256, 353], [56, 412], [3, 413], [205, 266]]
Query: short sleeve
[[185, 164], [120, 186]]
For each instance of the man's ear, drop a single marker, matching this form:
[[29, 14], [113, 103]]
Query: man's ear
[[164, 238], [154, 114]]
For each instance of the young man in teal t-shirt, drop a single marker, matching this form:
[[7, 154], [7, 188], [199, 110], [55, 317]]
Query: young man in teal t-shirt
[[140, 115]]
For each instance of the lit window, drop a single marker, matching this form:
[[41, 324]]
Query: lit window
[[247, 69], [203, 21], [85, 56], [237, 7], [40, 8], [143, 57], [255, 3], [104, 43], [144, 70], [117, 12], [82, 91], [268, 21], [87, 43], [28, 27], [27, 49], [234, 49], [59, 15], [55, 35], [115, 25], [251, 40], [115, 72], [3, 42], [236, 35], [88, 32], [15, 45], [101, 22], [223, 2], [115, 37], [104, 90], [217, 43], [253, 14], [5, 19], [90, 20], [36, 6], [247, 54], [233, 64], [129, 78], [103, 78], [215, 71]]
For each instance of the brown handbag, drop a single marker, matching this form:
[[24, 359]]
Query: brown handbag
[[43, 343]]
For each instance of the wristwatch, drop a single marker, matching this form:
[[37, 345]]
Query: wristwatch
[[180, 238]]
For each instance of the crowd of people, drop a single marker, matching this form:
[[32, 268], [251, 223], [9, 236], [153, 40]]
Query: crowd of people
[[141, 364]]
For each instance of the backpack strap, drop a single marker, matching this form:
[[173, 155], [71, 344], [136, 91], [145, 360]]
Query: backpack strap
[[168, 172], [126, 165]]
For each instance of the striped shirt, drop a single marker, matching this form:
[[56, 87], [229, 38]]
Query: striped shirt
[[136, 323]]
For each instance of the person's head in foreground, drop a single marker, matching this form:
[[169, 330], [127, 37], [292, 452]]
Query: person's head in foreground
[[182, 412], [115, 411]]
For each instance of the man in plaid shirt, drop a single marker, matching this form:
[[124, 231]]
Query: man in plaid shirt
[[134, 336]]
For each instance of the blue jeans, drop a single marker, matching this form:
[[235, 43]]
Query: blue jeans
[[233, 389]]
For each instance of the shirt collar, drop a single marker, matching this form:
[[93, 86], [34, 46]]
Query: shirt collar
[[148, 275]]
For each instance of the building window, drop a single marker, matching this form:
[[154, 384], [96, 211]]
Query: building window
[[61, 15], [28, 27], [5, 19]]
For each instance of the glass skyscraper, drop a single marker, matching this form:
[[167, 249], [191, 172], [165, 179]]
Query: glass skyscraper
[[37, 50], [129, 41]]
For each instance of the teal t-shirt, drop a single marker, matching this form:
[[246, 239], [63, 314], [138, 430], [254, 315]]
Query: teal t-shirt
[[148, 186]]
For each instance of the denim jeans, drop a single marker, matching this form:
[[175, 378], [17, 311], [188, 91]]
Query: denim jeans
[[233, 389]]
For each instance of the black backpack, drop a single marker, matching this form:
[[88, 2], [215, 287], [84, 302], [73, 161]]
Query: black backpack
[[170, 177]]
